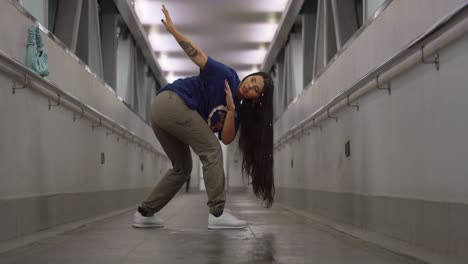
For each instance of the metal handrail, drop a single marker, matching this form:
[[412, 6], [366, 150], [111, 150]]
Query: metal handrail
[[70, 53], [21, 70], [416, 45]]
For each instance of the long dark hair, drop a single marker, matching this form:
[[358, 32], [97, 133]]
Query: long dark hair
[[256, 140]]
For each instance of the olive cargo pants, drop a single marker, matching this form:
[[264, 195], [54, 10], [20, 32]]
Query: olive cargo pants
[[177, 127]]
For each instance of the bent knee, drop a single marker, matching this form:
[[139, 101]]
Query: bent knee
[[184, 169], [212, 155]]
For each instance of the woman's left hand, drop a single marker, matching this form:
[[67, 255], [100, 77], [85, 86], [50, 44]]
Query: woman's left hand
[[168, 22], [229, 100]]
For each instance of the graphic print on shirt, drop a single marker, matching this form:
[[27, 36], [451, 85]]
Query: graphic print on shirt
[[216, 118]]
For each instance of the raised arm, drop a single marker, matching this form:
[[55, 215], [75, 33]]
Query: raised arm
[[195, 53]]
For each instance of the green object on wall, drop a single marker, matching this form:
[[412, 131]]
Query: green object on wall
[[36, 56]]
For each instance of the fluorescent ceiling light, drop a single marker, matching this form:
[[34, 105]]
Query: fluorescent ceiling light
[[266, 5], [171, 77], [252, 57], [247, 57], [145, 11], [255, 32], [242, 74], [163, 42], [177, 65], [149, 12]]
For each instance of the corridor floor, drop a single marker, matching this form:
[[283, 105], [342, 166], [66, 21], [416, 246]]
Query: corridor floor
[[274, 235]]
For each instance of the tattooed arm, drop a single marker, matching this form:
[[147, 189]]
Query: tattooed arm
[[195, 53]]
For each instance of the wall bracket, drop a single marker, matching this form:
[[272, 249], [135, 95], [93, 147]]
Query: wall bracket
[[25, 84], [332, 117], [316, 125], [110, 133], [123, 136], [388, 87], [351, 105], [58, 102], [78, 116], [98, 125], [436, 60]]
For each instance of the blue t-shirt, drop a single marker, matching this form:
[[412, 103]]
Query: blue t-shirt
[[205, 93]]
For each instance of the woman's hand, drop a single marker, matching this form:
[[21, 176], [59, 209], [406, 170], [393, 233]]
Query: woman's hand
[[195, 53], [229, 101], [168, 22]]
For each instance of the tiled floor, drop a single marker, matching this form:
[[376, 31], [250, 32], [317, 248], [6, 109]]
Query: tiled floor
[[274, 236]]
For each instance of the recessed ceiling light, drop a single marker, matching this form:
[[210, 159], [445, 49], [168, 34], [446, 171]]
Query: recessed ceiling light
[[163, 56], [272, 19], [242, 74], [177, 64], [162, 42], [261, 34], [171, 77]]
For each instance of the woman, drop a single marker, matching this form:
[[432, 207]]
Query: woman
[[179, 117]]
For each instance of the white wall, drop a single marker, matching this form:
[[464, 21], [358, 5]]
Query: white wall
[[410, 144], [393, 30], [406, 178], [44, 152]]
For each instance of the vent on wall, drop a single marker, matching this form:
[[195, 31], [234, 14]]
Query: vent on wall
[[348, 148]]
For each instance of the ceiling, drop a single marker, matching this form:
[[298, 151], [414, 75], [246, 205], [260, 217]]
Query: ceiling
[[235, 32]]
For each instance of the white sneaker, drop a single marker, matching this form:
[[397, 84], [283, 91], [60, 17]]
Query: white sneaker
[[142, 221], [225, 221]]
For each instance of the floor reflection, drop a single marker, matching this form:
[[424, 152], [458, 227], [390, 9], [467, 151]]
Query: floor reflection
[[264, 250], [241, 249]]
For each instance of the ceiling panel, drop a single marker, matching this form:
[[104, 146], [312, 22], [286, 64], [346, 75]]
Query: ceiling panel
[[237, 33]]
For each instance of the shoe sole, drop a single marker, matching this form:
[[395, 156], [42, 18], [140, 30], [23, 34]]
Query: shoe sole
[[226, 227], [146, 226]]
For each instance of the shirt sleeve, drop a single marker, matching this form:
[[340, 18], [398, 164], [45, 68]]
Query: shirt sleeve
[[214, 69]]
